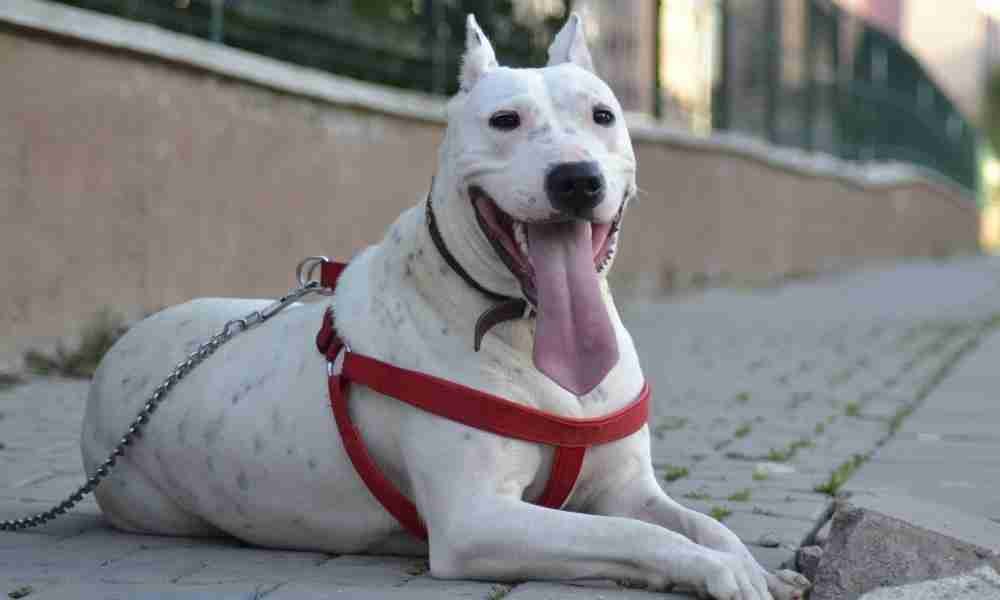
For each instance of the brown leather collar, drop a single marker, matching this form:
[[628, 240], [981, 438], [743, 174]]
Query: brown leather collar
[[507, 309]]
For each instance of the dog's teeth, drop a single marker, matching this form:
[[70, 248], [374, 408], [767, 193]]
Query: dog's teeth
[[521, 237]]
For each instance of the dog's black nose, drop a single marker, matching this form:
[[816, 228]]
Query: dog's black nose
[[575, 187]]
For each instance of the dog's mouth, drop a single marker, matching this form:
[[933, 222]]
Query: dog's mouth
[[509, 238], [559, 264]]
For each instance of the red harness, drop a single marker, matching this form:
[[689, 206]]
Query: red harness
[[571, 437]]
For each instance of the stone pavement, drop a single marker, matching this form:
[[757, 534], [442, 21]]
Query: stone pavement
[[767, 401]]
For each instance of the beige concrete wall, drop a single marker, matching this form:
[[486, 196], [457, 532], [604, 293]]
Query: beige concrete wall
[[134, 181]]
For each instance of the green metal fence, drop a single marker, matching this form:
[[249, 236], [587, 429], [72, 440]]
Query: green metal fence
[[415, 44], [804, 73]]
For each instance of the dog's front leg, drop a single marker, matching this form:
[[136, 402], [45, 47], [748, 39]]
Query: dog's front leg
[[502, 538], [638, 495], [468, 486]]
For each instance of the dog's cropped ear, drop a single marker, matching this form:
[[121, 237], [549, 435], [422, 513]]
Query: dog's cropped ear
[[570, 45], [479, 56]]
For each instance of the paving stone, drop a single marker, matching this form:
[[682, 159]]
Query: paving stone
[[890, 539], [538, 590], [980, 584], [312, 591], [92, 591]]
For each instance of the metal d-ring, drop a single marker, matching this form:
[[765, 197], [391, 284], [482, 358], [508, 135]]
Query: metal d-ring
[[307, 268]]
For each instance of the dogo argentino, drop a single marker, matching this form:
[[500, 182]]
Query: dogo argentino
[[536, 169]]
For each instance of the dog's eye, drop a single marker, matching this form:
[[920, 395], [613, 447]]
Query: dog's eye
[[505, 120], [603, 116]]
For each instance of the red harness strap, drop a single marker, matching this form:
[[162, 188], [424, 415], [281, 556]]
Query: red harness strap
[[469, 406]]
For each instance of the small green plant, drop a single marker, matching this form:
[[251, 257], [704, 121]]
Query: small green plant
[[98, 336], [498, 591], [852, 409], [820, 428], [9, 380], [840, 475], [719, 513], [21, 592], [669, 424], [674, 473], [697, 496], [760, 474], [740, 496], [841, 377], [742, 397], [787, 453], [778, 454], [743, 430], [418, 569], [896, 421]]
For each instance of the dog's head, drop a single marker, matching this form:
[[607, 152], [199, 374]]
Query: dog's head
[[541, 165]]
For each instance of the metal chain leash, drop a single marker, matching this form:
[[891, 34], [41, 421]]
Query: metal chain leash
[[307, 285]]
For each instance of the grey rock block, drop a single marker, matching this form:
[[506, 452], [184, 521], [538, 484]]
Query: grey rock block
[[981, 584], [888, 539], [807, 560]]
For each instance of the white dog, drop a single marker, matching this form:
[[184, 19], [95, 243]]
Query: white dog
[[535, 170]]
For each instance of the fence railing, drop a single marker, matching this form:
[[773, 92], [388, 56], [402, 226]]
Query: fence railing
[[804, 73], [414, 44], [795, 72]]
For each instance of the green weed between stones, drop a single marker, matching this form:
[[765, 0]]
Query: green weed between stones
[[840, 475], [719, 513], [852, 409], [697, 496], [674, 473], [9, 380], [759, 474], [498, 591], [98, 336], [669, 424], [740, 496], [743, 430], [789, 452], [21, 592], [742, 397]]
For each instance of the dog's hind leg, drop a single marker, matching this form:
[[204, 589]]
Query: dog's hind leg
[[132, 503]]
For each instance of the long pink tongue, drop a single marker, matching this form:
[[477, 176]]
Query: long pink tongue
[[575, 344]]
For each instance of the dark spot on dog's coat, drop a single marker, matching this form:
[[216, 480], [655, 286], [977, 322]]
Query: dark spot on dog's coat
[[182, 431], [213, 428], [277, 422], [243, 483], [313, 463]]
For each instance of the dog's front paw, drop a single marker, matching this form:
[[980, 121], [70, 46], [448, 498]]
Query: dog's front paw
[[729, 577]]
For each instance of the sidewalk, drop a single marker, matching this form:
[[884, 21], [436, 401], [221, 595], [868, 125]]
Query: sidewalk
[[761, 398]]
